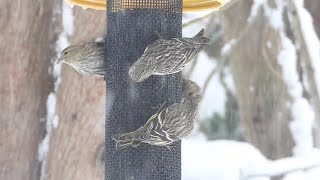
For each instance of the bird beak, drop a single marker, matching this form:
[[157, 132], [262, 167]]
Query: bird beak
[[59, 61]]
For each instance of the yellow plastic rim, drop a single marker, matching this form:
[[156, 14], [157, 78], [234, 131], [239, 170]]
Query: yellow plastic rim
[[188, 5]]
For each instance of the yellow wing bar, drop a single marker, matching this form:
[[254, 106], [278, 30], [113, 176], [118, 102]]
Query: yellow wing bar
[[188, 5]]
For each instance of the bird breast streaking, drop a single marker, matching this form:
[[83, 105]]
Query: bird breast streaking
[[167, 56], [169, 125]]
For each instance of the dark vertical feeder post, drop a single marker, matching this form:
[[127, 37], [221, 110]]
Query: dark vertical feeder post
[[131, 27]]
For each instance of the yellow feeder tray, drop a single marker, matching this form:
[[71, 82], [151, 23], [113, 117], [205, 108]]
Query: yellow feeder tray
[[188, 5]]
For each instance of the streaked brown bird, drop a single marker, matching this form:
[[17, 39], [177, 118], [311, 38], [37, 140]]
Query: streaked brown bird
[[169, 125], [167, 56], [87, 59]]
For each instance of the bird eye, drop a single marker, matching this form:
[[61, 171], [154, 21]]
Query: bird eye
[[65, 53]]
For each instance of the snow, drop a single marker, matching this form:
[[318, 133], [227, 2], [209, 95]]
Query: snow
[[301, 127], [301, 110], [52, 119], [218, 160], [311, 175], [67, 19], [274, 15], [257, 4], [43, 149], [55, 121], [228, 46], [302, 113], [215, 97], [193, 29], [287, 59], [269, 44], [232, 160], [311, 38]]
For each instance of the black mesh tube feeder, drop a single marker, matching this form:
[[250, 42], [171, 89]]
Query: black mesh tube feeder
[[131, 26]]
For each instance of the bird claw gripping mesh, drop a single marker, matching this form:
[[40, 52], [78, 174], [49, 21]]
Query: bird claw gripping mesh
[[188, 5]]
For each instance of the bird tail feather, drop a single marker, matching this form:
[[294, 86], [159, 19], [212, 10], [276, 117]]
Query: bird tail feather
[[199, 34], [125, 140]]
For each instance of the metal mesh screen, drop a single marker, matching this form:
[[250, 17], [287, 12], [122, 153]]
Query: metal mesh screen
[[163, 5], [131, 27]]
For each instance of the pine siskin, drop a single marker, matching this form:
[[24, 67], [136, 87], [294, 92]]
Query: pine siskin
[[87, 59], [170, 124], [167, 56]]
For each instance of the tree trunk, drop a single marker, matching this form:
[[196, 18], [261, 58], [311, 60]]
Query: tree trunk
[[75, 145], [313, 7], [261, 93], [29, 31], [26, 47]]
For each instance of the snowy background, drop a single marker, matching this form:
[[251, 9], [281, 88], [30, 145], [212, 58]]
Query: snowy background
[[220, 159]]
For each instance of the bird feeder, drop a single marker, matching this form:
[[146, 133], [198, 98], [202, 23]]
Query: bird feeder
[[131, 26], [188, 5]]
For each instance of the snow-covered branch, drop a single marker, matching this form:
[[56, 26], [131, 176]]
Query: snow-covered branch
[[231, 160]]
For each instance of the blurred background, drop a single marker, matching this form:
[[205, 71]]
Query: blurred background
[[259, 118]]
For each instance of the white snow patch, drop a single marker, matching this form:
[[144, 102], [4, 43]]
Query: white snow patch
[[301, 127], [302, 112], [311, 170], [228, 46], [52, 119], [214, 98], [51, 106], [218, 160], [232, 160], [269, 44], [287, 59], [43, 148], [300, 175], [193, 29], [55, 122], [62, 42], [274, 15], [257, 4], [284, 166], [67, 19], [311, 38]]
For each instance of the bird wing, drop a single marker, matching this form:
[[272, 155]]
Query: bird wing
[[177, 122], [173, 55]]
